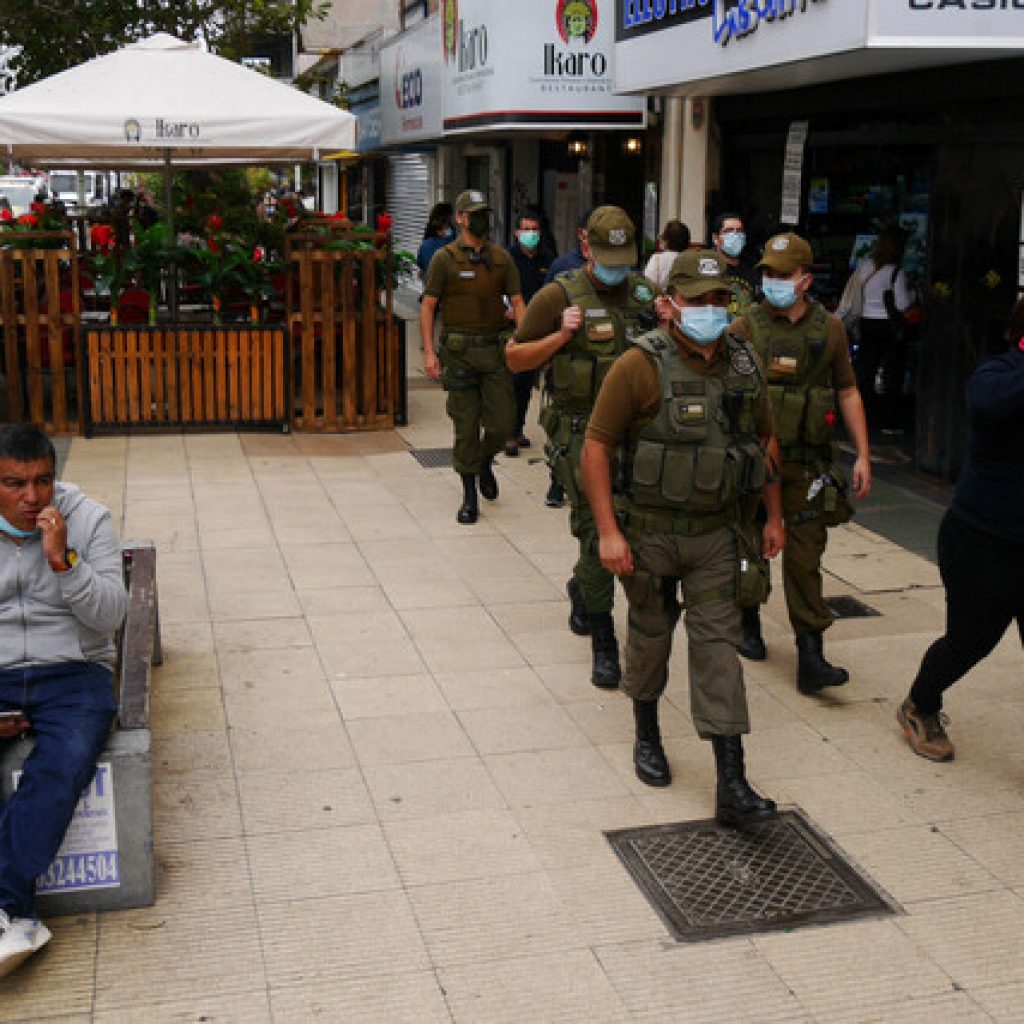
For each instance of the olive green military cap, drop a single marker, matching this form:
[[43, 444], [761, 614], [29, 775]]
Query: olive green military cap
[[470, 201], [611, 237], [787, 253], [697, 272]]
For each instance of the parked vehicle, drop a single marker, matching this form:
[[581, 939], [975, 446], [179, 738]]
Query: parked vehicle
[[64, 186]]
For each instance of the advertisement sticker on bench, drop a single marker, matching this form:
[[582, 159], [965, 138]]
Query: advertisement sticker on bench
[[87, 859]]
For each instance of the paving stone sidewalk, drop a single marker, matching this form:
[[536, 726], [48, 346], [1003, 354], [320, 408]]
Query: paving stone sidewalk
[[382, 775]]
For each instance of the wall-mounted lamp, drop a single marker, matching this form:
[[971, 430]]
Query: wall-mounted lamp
[[632, 144], [577, 146]]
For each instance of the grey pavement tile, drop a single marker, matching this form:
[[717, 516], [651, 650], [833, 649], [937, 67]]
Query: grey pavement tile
[[288, 669], [994, 841], [262, 634], [338, 938], [428, 788], [186, 753], [714, 983], [324, 746], [486, 919], [474, 689], [282, 802], [507, 729], [554, 776], [326, 566], [193, 807], [977, 940], [566, 988], [199, 875], [381, 696], [399, 739], [457, 847], [1003, 1003], [460, 638], [238, 1008], [413, 997], [320, 862]]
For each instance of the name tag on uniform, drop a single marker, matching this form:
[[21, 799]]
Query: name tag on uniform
[[784, 364], [601, 332], [690, 412], [467, 273], [594, 313]]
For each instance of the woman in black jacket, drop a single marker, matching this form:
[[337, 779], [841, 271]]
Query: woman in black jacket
[[981, 544]]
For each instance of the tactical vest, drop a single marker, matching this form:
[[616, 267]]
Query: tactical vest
[[741, 295], [699, 454], [799, 375], [473, 299], [606, 331]]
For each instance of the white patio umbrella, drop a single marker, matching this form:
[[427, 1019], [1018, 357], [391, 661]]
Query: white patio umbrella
[[162, 100]]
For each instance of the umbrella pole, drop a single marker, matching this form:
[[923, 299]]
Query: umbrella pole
[[172, 292]]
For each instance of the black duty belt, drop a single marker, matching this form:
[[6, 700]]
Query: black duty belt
[[685, 524], [805, 453], [476, 339]]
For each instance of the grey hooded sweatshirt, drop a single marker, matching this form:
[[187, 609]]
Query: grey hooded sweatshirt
[[48, 617]]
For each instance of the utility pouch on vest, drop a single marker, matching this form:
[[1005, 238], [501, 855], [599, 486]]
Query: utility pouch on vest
[[549, 421], [455, 342], [821, 415], [788, 408], [708, 475], [677, 481], [746, 468], [753, 574], [835, 506]]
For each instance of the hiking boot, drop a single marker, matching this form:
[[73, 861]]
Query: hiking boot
[[648, 754], [488, 481], [736, 804], [752, 647], [555, 498], [606, 672], [469, 510], [814, 673], [579, 621], [925, 733], [20, 937]]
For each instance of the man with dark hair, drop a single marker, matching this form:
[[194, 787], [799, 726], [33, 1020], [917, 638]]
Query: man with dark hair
[[62, 597], [730, 239]]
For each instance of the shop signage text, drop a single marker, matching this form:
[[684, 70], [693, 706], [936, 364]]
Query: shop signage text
[[410, 90], [966, 5], [730, 19]]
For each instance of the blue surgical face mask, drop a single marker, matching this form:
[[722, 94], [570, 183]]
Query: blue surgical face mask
[[734, 243], [13, 531], [780, 293], [610, 276], [529, 239], [702, 324]]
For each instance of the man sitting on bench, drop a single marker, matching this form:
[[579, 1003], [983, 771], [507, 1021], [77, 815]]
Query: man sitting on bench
[[62, 598]]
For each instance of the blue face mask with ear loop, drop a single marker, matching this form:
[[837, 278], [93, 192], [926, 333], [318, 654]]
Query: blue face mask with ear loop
[[702, 324], [610, 276], [734, 243], [13, 531], [780, 293]]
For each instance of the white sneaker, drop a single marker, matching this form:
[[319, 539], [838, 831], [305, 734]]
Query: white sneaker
[[20, 937]]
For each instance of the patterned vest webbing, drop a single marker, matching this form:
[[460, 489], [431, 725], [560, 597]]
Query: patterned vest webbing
[[699, 454], [799, 373], [473, 299], [606, 331]]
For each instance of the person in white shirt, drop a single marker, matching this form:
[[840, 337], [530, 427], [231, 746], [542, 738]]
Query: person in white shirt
[[673, 240]]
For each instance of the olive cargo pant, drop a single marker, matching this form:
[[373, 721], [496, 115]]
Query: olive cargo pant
[[705, 567], [480, 399], [597, 584]]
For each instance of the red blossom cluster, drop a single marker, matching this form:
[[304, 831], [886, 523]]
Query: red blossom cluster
[[102, 237], [214, 223], [6, 215], [30, 220]]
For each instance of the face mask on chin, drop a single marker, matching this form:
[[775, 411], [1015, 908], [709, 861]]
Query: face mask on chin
[[610, 276], [13, 531], [780, 293], [701, 324]]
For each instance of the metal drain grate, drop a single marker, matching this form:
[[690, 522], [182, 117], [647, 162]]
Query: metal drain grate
[[846, 607], [706, 881], [432, 458]]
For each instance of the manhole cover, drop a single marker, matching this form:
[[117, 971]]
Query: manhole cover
[[432, 458], [706, 881], [846, 607]]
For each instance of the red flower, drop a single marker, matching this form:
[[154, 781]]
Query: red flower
[[6, 214], [39, 208], [102, 236], [259, 254], [213, 246], [214, 222], [289, 208], [30, 220], [384, 222]]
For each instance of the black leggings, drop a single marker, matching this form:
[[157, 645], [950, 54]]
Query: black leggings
[[984, 580]]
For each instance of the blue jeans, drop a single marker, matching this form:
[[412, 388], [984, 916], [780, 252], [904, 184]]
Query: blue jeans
[[71, 707]]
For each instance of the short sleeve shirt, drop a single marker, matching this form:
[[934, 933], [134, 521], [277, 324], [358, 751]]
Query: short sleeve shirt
[[836, 342], [631, 394], [442, 268]]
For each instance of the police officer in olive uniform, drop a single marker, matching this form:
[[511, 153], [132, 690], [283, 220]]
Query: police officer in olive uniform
[[580, 324], [729, 238], [807, 361], [471, 278], [689, 408]]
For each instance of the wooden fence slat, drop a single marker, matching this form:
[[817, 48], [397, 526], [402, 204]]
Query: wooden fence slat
[[196, 359], [121, 342], [308, 364], [368, 295], [33, 347], [107, 390], [328, 345], [132, 373], [349, 349], [147, 406], [209, 344], [171, 342], [12, 360], [276, 341], [220, 343], [235, 338], [159, 377], [268, 384], [245, 384], [55, 340]]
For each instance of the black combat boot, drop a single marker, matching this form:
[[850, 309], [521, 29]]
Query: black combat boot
[[813, 672], [468, 510], [579, 621], [606, 672], [648, 753], [752, 648], [736, 804], [488, 481]]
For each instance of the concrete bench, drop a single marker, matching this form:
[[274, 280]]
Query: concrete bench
[[106, 862]]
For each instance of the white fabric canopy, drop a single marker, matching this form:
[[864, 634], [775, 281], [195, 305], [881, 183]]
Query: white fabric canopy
[[162, 98]]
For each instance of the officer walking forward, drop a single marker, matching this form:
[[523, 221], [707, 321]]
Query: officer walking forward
[[581, 323], [807, 360], [689, 409], [471, 278]]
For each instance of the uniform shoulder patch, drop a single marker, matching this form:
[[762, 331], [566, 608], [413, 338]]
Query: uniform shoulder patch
[[642, 292], [741, 359]]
